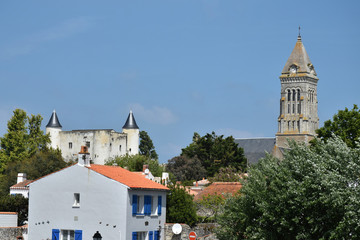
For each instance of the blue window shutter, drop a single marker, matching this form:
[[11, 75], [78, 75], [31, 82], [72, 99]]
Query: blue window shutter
[[156, 235], [159, 205], [151, 235], [147, 203], [55, 234], [134, 235], [78, 234], [134, 205]]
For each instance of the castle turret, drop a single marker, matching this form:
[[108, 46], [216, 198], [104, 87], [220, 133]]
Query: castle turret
[[132, 131], [54, 128], [298, 117]]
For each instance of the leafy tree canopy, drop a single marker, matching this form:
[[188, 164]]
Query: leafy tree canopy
[[227, 174], [23, 138], [180, 207], [17, 204], [215, 152], [345, 124], [185, 168], [136, 162], [146, 146], [313, 193]]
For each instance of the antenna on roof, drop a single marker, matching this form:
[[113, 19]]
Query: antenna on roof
[[299, 36]]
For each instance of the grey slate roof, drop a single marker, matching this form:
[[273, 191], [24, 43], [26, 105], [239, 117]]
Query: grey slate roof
[[130, 122], [54, 121], [255, 148]]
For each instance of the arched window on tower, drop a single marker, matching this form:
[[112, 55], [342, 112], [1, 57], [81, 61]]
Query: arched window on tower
[[294, 95], [289, 95], [298, 94]]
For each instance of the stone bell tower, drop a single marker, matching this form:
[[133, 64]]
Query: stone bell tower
[[298, 117]]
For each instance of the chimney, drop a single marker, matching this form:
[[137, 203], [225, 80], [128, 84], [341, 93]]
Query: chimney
[[84, 157], [21, 177]]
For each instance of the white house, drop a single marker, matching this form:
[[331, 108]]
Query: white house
[[21, 187], [85, 199]]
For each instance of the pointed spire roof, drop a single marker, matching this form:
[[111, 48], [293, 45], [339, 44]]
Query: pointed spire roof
[[299, 64], [54, 121], [130, 122]]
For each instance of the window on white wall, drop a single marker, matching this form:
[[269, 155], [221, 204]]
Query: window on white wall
[[67, 235], [141, 235], [70, 145], [76, 200]]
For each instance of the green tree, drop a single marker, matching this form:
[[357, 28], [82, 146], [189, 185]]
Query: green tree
[[345, 124], [227, 174], [136, 162], [180, 207], [17, 204], [211, 204], [312, 193], [146, 146], [40, 164], [215, 152], [23, 138], [185, 168]]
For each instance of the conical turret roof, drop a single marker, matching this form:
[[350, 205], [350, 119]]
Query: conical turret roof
[[54, 121], [130, 122], [299, 64]]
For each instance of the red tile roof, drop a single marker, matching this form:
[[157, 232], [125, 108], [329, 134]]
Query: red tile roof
[[8, 213], [130, 179], [219, 188], [22, 185]]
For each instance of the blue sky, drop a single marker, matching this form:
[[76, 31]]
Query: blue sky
[[182, 66]]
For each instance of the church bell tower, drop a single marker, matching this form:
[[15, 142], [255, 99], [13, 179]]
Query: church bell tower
[[298, 117]]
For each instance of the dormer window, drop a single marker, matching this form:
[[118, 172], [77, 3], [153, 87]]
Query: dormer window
[[293, 69]]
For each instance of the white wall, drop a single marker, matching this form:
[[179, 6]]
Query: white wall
[[103, 144], [8, 219]]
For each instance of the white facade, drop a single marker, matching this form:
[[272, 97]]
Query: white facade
[[102, 143], [78, 201], [21, 186]]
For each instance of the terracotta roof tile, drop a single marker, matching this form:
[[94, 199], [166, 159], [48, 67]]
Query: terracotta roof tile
[[8, 213], [23, 184], [130, 179], [219, 188]]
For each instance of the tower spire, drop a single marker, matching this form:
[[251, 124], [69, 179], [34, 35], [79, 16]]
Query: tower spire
[[54, 121], [299, 36], [130, 122]]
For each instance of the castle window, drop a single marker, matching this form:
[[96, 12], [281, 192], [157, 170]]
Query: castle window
[[288, 125], [289, 95], [70, 145], [120, 148], [88, 144], [288, 108], [299, 108], [293, 108]]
